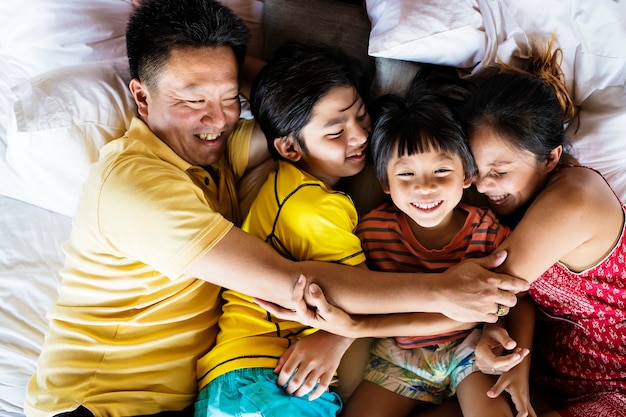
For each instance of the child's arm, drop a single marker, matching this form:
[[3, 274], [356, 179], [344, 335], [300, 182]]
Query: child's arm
[[520, 325], [339, 322]]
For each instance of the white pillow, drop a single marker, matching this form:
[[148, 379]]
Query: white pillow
[[62, 118], [599, 140], [434, 31], [592, 36], [39, 35]]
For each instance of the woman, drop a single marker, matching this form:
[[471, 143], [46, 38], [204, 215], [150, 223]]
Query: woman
[[568, 241]]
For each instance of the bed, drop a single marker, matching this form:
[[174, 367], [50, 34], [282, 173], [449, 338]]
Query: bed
[[63, 78]]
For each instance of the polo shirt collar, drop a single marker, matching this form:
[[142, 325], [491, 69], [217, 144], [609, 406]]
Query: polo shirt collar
[[138, 129]]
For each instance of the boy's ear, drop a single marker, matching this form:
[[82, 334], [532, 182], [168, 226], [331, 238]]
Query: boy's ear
[[468, 181], [288, 148], [385, 187]]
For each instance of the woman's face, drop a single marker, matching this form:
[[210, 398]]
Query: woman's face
[[509, 177]]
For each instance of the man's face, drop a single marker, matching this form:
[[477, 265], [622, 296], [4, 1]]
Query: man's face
[[195, 105]]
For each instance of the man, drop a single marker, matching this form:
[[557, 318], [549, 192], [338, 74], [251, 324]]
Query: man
[[154, 236]]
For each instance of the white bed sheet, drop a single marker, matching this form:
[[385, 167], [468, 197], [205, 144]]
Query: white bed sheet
[[30, 260]]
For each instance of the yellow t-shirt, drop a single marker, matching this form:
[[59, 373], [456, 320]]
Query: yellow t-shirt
[[303, 219], [128, 325]]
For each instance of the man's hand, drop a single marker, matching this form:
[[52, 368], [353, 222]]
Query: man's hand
[[474, 292]]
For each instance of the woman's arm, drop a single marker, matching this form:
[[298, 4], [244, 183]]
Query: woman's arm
[[576, 220]]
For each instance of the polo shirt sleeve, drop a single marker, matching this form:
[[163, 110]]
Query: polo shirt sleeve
[[149, 212], [323, 231], [238, 151]]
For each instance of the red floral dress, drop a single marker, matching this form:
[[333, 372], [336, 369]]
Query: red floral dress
[[580, 340]]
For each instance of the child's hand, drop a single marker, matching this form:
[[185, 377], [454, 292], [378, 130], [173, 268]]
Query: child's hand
[[311, 361], [318, 313], [493, 341], [515, 382]]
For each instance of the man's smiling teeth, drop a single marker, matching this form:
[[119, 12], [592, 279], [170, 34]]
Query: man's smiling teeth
[[207, 136], [427, 206], [498, 197]]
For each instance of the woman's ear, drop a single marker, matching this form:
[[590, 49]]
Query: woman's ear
[[139, 94], [554, 157], [288, 148]]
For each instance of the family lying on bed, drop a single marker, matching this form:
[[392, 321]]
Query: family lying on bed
[[134, 331]]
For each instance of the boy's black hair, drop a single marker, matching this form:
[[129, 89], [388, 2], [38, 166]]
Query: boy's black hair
[[424, 120], [290, 85]]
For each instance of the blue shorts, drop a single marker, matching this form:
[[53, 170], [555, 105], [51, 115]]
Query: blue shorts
[[253, 392]]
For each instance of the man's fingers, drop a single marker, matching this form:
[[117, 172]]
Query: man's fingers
[[495, 259]]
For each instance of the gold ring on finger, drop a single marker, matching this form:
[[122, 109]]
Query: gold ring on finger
[[502, 310]]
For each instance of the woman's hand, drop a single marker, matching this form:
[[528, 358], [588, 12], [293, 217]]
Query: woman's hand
[[311, 361]]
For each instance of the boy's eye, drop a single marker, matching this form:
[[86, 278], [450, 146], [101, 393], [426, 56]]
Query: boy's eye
[[498, 174], [442, 170], [335, 135]]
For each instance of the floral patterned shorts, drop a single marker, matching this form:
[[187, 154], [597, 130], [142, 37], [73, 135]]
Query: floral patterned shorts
[[429, 374]]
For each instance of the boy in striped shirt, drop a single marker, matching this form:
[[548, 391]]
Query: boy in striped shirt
[[423, 162]]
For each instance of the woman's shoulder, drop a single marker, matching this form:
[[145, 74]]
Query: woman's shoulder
[[578, 189], [581, 180]]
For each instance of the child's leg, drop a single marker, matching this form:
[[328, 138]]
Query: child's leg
[[372, 400], [472, 395], [448, 408], [352, 367]]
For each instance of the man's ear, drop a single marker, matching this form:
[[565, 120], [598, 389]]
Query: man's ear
[[288, 148], [139, 94]]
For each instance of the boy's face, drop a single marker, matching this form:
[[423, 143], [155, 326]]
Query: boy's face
[[336, 136], [427, 186]]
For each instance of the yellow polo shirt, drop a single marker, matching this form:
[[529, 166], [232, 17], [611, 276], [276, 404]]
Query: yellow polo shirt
[[128, 325]]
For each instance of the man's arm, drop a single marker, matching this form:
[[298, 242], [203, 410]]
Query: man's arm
[[246, 264]]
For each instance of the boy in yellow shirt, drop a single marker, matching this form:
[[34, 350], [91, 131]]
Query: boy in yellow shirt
[[307, 101]]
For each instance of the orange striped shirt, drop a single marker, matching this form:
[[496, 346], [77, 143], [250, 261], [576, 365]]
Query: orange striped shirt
[[390, 245]]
